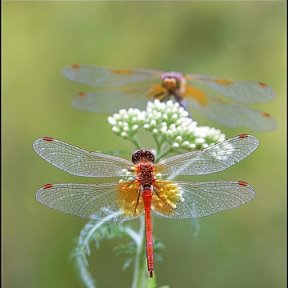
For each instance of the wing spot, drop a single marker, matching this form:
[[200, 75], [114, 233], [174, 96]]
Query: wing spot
[[242, 183], [262, 85], [265, 114], [47, 186], [48, 139], [75, 66], [243, 136], [81, 94]]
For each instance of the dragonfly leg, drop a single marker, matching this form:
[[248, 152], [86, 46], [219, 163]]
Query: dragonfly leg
[[137, 202], [131, 169], [162, 96]]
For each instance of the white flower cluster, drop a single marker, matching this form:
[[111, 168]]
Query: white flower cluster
[[169, 123], [126, 123]]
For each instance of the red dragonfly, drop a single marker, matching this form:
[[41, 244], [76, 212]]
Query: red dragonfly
[[222, 100], [130, 198]]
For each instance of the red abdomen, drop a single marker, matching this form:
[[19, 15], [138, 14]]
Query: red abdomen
[[147, 197]]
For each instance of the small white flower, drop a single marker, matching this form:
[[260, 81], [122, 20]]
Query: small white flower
[[153, 122], [186, 143], [199, 140], [111, 121], [175, 116], [115, 129], [122, 112], [126, 128], [135, 127], [124, 135], [146, 126], [175, 145], [192, 146], [163, 130]]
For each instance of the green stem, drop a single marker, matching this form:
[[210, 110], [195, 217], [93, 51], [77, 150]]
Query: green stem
[[135, 142], [158, 145], [161, 155]]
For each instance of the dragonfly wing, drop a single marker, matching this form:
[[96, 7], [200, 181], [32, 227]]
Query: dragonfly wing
[[99, 76], [199, 199], [210, 160], [94, 201], [80, 162], [233, 114], [112, 100], [244, 91]]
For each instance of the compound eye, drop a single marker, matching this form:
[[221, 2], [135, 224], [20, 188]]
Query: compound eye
[[170, 83], [150, 156], [142, 155], [136, 156]]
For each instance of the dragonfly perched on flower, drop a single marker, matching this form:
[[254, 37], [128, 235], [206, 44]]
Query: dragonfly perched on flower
[[222, 100], [140, 190]]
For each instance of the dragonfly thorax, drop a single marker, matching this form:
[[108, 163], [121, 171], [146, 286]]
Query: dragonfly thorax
[[145, 173]]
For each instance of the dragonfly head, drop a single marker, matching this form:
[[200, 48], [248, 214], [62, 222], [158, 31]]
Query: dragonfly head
[[143, 155], [171, 80]]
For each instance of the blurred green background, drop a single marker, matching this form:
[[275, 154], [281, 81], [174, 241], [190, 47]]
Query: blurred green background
[[244, 247]]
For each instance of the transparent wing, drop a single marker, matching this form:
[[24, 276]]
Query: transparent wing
[[233, 114], [244, 91], [210, 160], [94, 201], [80, 162], [112, 100], [199, 199], [99, 76]]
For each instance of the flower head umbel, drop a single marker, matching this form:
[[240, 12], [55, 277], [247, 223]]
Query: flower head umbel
[[170, 125], [126, 123]]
